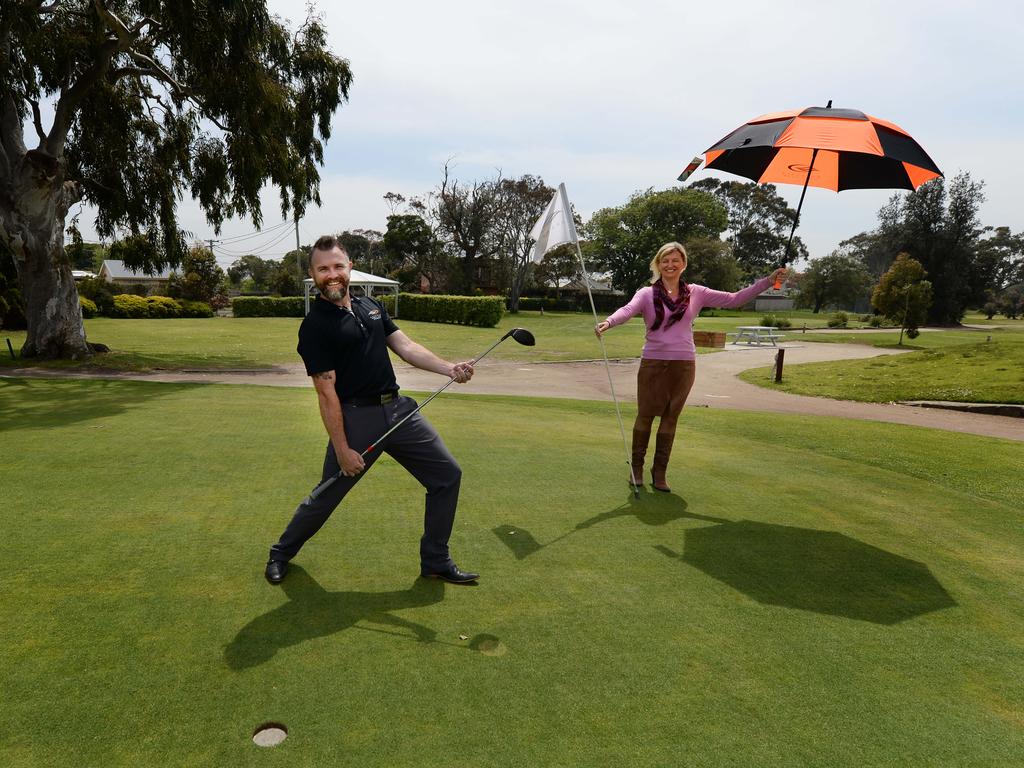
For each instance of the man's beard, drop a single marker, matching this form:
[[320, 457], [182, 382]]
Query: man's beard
[[333, 293]]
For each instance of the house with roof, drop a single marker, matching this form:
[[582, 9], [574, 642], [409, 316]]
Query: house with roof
[[116, 272]]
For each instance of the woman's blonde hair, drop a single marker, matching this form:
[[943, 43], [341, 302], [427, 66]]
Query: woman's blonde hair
[[664, 250]]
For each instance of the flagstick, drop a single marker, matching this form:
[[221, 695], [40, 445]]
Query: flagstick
[[604, 353]]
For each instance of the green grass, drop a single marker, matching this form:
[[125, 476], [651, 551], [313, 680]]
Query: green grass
[[986, 372], [249, 343], [816, 592]]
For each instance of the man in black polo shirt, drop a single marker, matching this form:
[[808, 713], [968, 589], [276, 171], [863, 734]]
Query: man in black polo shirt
[[344, 342]]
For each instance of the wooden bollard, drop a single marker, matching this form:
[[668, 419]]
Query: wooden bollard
[[779, 357]]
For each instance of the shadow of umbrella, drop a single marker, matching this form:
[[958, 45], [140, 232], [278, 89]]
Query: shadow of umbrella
[[650, 510], [820, 571]]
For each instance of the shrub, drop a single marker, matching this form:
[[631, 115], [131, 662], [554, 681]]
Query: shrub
[[481, 311], [775, 321], [875, 321], [838, 320], [195, 308], [268, 306], [88, 307], [100, 291], [163, 306], [133, 307], [130, 306]]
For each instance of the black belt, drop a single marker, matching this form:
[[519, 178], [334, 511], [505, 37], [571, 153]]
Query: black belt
[[387, 397]]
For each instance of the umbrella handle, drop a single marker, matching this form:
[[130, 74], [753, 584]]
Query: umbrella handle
[[796, 219]]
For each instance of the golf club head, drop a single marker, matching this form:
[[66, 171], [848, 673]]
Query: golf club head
[[522, 336]]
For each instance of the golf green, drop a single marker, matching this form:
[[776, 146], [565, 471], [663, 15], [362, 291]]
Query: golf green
[[814, 592]]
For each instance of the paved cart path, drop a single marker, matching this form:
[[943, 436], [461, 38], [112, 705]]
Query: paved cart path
[[716, 385]]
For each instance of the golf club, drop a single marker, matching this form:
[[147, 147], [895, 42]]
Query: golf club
[[520, 335]]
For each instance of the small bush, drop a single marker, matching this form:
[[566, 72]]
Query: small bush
[[774, 321], [838, 320], [99, 291], [195, 308], [127, 305], [88, 307], [163, 306], [875, 321]]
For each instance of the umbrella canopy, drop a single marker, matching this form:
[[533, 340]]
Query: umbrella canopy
[[842, 149]]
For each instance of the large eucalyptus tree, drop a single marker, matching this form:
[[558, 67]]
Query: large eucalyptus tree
[[131, 104]]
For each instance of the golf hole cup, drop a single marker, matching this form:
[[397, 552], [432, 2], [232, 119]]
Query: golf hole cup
[[269, 735]]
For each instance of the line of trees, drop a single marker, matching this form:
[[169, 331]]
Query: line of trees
[[968, 265]]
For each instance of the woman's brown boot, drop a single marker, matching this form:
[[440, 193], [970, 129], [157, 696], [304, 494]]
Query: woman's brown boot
[[662, 452], [640, 440]]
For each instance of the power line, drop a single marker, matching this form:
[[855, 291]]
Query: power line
[[257, 233], [262, 249]]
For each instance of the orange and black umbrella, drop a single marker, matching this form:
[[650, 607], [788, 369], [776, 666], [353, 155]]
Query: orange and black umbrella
[[835, 149]]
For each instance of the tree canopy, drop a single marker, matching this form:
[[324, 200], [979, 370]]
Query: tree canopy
[[760, 221], [627, 237], [903, 295], [837, 279]]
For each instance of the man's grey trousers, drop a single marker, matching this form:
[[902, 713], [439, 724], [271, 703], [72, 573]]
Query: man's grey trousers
[[417, 447]]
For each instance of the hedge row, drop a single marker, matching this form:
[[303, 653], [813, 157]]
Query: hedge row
[[128, 305], [482, 311], [603, 303], [268, 306]]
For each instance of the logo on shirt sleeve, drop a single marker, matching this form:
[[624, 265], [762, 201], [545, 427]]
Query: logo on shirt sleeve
[[374, 314]]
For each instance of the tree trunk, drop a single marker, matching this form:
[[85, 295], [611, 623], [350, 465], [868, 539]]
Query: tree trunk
[[34, 202]]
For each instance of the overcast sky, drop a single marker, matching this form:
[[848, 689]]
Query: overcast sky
[[615, 97]]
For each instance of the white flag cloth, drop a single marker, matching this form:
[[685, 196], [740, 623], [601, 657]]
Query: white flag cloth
[[555, 226]]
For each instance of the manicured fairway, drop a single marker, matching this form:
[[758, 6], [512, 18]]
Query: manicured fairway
[[815, 592]]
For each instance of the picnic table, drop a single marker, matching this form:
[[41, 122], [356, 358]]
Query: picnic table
[[756, 335]]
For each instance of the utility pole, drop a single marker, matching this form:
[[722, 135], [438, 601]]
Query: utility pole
[[298, 258]]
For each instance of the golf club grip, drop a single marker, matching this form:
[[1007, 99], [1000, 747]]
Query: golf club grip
[[331, 480], [315, 493]]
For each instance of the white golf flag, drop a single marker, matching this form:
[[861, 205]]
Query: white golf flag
[[555, 226]]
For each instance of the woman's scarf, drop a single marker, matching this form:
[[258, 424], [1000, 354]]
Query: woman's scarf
[[676, 308]]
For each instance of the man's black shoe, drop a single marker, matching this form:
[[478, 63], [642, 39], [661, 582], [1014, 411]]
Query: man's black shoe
[[452, 574], [276, 570]]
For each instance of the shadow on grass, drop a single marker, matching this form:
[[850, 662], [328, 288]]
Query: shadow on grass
[[649, 509], [312, 611], [820, 571], [31, 403]]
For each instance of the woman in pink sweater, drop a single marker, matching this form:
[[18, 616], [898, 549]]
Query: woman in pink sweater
[[668, 364]]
